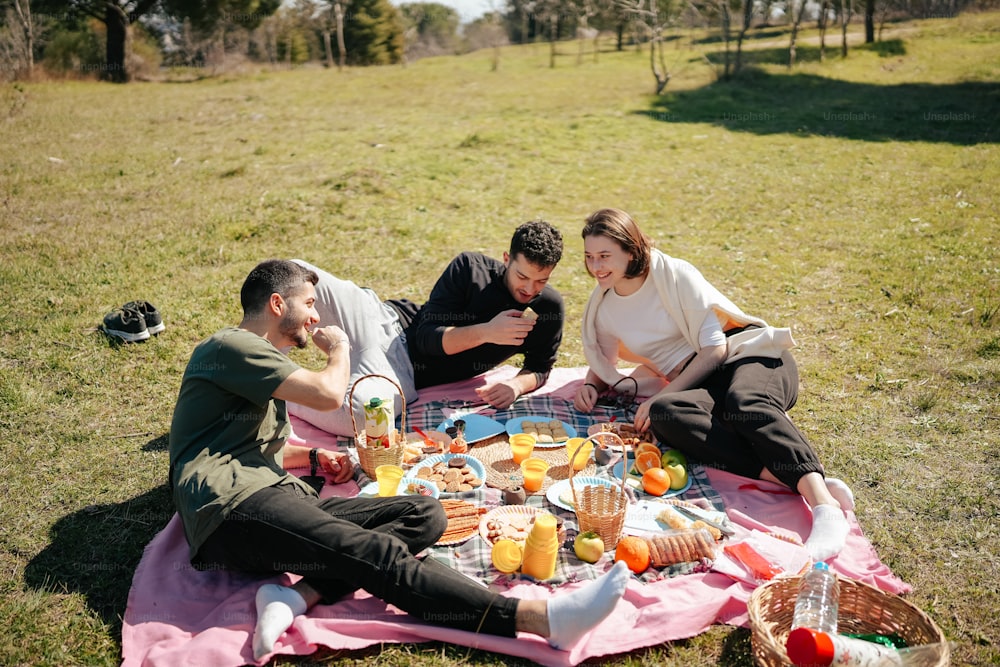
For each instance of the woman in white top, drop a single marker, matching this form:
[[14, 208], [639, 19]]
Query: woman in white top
[[719, 381]]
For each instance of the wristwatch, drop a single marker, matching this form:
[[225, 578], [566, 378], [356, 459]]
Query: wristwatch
[[313, 460]]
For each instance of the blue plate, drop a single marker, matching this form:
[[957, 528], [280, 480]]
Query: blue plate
[[371, 490], [474, 463], [620, 467], [477, 427]]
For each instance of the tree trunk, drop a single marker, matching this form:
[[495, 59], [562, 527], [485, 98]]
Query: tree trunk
[[747, 19], [823, 10], [328, 47], [869, 21], [726, 23], [117, 44], [341, 46], [553, 33], [845, 18], [795, 33], [621, 37], [27, 26]]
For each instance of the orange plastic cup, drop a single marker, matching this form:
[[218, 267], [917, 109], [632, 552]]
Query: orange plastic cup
[[521, 446], [534, 470]]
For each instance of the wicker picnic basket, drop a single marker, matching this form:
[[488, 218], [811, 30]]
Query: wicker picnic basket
[[600, 508], [371, 458], [862, 609]]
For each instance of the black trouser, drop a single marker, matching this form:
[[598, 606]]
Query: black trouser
[[342, 544], [736, 420]]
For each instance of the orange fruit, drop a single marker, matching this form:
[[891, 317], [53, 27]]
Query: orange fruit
[[647, 447], [634, 551], [647, 461], [656, 481]]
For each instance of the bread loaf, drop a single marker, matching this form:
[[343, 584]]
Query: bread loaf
[[681, 547]]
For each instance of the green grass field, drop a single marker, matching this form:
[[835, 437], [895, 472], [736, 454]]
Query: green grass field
[[855, 201]]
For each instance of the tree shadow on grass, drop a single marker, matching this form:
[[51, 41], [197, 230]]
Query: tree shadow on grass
[[962, 113], [94, 552]]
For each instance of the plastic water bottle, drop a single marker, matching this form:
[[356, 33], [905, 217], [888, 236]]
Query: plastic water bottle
[[809, 648], [818, 600]]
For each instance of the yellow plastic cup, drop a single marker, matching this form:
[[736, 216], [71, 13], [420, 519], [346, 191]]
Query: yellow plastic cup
[[580, 462], [533, 469], [388, 477], [521, 446], [507, 556]]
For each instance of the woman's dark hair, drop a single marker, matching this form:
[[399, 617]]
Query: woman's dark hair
[[619, 226], [538, 242], [272, 276]]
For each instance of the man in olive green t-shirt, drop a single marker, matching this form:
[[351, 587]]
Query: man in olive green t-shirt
[[241, 510]]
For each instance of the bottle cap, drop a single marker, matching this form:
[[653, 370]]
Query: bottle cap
[[821, 566], [808, 647], [374, 402]]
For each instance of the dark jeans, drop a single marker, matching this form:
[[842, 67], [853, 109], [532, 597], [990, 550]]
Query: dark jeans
[[342, 544], [736, 420]]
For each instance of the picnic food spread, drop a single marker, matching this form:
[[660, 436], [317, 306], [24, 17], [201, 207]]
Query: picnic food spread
[[669, 535]]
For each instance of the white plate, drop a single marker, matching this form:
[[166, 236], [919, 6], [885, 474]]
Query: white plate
[[514, 427], [477, 427], [474, 463], [620, 466], [579, 481], [504, 514], [371, 490], [640, 518]]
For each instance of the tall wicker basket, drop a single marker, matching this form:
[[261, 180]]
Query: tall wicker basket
[[862, 609], [371, 458], [600, 508]]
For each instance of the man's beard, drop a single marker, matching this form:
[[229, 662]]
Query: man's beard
[[292, 329]]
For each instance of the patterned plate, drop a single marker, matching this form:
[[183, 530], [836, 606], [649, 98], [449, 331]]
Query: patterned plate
[[474, 463]]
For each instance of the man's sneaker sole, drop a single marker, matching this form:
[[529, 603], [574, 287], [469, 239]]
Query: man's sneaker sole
[[127, 335], [156, 328]]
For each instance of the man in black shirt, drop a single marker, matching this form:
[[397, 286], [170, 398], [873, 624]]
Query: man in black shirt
[[472, 322]]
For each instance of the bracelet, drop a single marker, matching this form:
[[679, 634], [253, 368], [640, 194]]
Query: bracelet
[[313, 460], [591, 384]]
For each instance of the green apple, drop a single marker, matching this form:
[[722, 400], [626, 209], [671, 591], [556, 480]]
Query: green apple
[[673, 456], [589, 547], [678, 476]]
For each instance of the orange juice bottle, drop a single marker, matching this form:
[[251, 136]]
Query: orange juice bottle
[[541, 550]]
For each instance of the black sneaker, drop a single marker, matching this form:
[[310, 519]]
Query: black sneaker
[[127, 324], [154, 322]]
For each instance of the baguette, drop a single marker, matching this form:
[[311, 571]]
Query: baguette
[[682, 547]]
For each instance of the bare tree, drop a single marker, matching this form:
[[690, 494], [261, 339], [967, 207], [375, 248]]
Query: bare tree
[[748, 11], [655, 16], [797, 16], [846, 11], [23, 10], [821, 23]]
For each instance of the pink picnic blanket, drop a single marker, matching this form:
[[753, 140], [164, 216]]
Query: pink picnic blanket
[[177, 615]]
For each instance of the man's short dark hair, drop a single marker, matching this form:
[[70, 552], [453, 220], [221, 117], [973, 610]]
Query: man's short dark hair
[[538, 242], [272, 276]]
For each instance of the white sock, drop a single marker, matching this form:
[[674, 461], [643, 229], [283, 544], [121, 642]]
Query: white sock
[[277, 607], [841, 493], [829, 532], [574, 614]]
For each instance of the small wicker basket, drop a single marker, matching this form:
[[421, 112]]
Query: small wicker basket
[[371, 458], [862, 609], [600, 508]]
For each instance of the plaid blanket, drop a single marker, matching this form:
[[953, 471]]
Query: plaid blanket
[[472, 557]]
